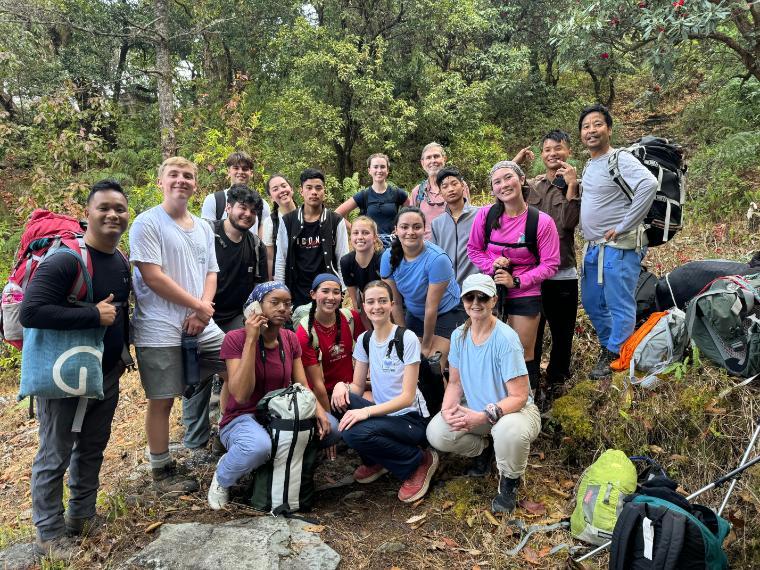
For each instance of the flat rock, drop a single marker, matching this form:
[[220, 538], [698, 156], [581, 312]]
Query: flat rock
[[266, 543], [18, 557]]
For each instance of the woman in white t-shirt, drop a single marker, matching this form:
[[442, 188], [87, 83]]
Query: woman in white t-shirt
[[487, 367], [281, 192], [389, 433]]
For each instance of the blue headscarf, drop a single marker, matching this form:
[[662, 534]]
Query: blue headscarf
[[261, 290]]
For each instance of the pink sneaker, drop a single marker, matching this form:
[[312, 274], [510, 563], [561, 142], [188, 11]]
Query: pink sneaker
[[417, 485], [369, 473]]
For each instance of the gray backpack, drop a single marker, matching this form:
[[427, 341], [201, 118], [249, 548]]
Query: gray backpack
[[661, 347], [722, 321]]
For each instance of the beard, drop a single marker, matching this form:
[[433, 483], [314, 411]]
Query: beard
[[235, 223]]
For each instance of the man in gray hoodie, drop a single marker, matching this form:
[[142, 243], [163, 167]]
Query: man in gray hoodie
[[451, 230]]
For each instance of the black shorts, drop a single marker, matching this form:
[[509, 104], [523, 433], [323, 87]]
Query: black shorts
[[523, 306], [444, 325]]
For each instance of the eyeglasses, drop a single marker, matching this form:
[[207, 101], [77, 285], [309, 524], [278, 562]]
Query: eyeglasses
[[472, 295], [277, 303]]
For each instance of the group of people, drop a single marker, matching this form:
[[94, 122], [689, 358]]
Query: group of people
[[263, 292]]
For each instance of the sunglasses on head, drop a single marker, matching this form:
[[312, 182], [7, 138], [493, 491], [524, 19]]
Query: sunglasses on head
[[472, 295]]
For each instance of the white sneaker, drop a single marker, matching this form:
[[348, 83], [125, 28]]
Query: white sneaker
[[218, 496]]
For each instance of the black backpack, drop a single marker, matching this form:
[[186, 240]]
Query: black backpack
[[659, 529], [645, 295], [430, 384], [531, 231], [665, 161], [685, 282]]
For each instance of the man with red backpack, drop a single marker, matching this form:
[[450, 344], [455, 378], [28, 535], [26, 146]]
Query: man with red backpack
[[47, 305]]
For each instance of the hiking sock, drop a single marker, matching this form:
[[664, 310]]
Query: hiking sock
[[159, 460], [534, 373]]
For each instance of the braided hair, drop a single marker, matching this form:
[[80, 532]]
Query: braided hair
[[397, 250]]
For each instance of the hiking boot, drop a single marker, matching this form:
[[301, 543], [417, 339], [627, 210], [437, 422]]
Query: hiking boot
[[87, 526], [602, 368], [217, 447], [166, 480], [417, 485], [506, 500], [369, 473], [481, 465], [58, 548], [218, 496]]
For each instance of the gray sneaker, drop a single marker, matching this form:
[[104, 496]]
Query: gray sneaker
[[167, 481], [60, 548]]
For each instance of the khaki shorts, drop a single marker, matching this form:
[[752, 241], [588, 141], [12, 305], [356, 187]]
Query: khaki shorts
[[160, 367]]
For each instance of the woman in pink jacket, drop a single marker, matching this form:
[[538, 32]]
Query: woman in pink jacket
[[517, 257]]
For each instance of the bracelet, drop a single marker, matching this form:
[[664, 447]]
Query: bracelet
[[369, 414]]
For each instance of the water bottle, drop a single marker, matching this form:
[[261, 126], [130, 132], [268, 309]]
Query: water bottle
[[191, 363], [11, 312]]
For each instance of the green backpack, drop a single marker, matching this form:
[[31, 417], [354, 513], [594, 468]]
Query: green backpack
[[600, 494], [722, 321]]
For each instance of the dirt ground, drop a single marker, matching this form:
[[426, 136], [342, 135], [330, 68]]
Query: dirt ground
[[366, 524]]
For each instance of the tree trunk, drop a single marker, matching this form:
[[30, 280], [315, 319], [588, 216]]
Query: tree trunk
[[164, 71]]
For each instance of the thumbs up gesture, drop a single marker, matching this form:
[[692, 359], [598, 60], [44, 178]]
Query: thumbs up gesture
[[107, 311]]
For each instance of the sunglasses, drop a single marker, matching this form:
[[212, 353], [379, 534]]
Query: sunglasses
[[471, 296]]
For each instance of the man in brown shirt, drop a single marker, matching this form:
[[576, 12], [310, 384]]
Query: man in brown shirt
[[557, 193]]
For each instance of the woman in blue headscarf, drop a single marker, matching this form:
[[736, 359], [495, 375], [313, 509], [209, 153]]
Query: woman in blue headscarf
[[260, 358]]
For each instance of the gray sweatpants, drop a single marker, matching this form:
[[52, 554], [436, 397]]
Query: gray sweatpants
[[80, 453]]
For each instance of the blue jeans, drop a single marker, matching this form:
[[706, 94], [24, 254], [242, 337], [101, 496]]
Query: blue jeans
[[391, 441], [248, 447], [611, 305]]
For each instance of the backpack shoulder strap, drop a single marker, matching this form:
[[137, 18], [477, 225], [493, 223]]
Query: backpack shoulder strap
[[613, 167], [670, 543], [421, 193], [491, 217], [398, 342], [349, 316], [221, 203], [365, 341], [627, 524], [531, 232]]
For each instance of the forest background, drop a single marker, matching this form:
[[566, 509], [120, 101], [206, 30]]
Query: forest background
[[107, 88]]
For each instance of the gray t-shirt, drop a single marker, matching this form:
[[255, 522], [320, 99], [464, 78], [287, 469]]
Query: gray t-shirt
[[186, 256], [603, 204], [387, 374]]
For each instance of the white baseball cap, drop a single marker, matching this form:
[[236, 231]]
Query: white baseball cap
[[479, 282]]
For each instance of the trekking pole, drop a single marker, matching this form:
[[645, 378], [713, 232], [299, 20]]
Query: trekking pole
[[717, 483], [731, 487]]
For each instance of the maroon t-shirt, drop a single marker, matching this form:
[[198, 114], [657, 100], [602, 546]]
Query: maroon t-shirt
[[271, 372]]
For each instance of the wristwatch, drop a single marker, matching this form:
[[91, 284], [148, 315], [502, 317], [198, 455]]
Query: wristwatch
[[516, 281]]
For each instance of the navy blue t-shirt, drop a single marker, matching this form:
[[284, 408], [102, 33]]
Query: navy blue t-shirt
[[382, 208]]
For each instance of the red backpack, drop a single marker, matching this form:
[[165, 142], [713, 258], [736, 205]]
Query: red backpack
[[44, 233]]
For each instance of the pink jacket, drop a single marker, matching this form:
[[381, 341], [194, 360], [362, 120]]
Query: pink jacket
[[512, 230]]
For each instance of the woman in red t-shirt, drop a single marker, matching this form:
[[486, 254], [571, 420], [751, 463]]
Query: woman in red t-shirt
[[327, 338], [260, 358]]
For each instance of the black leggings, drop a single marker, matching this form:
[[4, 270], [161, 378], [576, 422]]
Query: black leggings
[[560, 309]]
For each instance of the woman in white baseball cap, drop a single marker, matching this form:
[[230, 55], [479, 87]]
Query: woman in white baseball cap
[[488, 394]]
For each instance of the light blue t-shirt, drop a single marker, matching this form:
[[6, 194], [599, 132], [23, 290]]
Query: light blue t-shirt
[[486, 369], [386, 370], [413, 277]]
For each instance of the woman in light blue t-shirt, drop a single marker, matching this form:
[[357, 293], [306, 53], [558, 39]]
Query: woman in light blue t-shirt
[[487, 368], [388, 433], [422, 278]]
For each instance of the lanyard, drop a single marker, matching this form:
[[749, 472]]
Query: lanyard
[[263, 351]]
